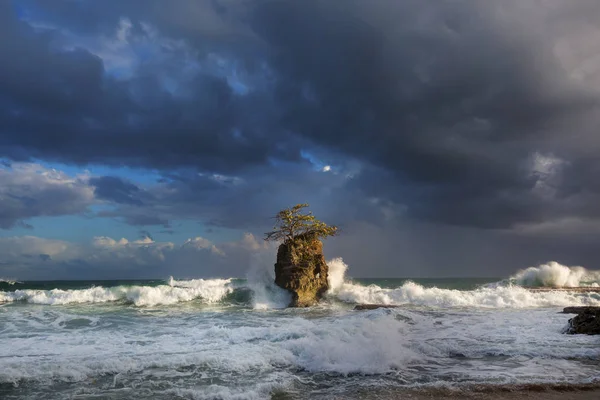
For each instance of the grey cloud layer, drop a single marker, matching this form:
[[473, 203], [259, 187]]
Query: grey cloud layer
[[477, 114], [30, 190]]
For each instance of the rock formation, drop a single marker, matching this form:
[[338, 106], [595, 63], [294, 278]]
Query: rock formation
[[587, 320], [301, 270]]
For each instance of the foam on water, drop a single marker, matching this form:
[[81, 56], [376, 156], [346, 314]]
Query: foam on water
[[556, 275], [494, 296], [475, 336], [266, 295], [498, 297], [210, 290], [343, 345], [47, 346]]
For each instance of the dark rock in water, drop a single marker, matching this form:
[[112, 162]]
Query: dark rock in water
[[301, 270], [373, 306], [579, 309], [587, 320]]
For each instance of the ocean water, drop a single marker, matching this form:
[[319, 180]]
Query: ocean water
[[232, 338]]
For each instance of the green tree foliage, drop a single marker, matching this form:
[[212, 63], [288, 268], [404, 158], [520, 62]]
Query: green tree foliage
[[292, 223]]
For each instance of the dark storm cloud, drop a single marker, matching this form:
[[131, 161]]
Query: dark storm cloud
[[481, 114], [60, 104], [238, 202], [450, 99]]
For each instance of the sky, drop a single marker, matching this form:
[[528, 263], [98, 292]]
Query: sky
[[150, 138]]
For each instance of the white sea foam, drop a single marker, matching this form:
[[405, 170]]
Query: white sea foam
[[490, 338], [353, 345], [501, 295], [210, 290], [345, 344], [498, 297], [556, 275], [266, 295], [243, 349], [260, 391]]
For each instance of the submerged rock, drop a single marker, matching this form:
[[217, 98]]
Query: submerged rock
[[301, 270], [587, 320]]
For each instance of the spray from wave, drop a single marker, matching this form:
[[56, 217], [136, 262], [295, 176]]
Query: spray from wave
[[555, 275], [261, 282], [337, 274]]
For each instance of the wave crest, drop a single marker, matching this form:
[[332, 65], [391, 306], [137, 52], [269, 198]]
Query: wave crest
[[556, 275], [260, 292], [210, 290], [498, 297]]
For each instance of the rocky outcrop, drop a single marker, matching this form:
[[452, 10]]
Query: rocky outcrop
[[301, 270], [587, 320]]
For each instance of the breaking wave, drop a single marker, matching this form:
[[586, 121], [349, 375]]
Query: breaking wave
[[494, 296], [556, 275], [9, 281], [498, 297], [259, 292], [210, 290]]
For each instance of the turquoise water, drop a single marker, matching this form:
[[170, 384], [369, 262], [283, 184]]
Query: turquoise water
[[231, 338]]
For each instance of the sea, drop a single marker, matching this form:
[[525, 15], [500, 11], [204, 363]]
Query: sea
[[234, 338]]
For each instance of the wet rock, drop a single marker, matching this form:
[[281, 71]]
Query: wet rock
[[579, 309], [301, 270], [587, 320]]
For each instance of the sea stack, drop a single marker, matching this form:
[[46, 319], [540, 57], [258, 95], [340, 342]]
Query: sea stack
[[301, 270]]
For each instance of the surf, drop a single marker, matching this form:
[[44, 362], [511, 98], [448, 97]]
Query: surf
[[258, 291], [209, 290]]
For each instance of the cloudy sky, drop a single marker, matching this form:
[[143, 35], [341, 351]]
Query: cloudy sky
[[148, 138]]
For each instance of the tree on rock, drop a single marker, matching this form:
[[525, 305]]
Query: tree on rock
[[300, 266], [292, 224]]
